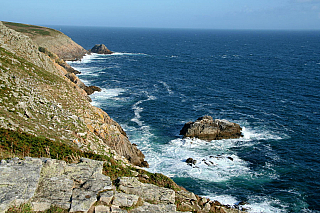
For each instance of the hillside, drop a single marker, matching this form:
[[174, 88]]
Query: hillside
[[37, 97], [51, 39]]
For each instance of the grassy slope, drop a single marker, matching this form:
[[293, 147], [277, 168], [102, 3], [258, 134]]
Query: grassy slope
[[31, 30]]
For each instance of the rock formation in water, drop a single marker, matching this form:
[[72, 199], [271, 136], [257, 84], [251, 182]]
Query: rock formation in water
[[207, 128], [100, 49]]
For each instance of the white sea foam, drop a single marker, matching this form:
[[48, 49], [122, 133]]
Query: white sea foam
[[210, 166], [264, 205], [137, 110], [255, 204], [166, 86], [85, 59], [120, 53], [100, 97]]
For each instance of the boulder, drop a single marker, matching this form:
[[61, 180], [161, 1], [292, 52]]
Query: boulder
[[100, 49], [207, 128], [191, 161]]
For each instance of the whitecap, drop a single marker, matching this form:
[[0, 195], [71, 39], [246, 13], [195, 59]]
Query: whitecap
[[120, 53], [137, 110], [85, 59], [104, 94], [166, 86]]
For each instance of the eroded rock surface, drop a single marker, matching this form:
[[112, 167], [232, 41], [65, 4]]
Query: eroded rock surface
[[207, 128], [100, 49], [76, 187], [18, 181]]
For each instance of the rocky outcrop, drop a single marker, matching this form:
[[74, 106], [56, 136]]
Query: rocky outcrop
[[208, 129], [75, 187], [37, 97], [100, 49], [51, 39], [148, 192]]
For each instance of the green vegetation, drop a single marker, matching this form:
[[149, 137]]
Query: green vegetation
[[159, 179], [23, 208], [31, 30], [26, 208], [20, 144]]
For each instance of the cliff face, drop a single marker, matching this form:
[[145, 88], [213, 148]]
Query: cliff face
[[36, 97], [51, 39]]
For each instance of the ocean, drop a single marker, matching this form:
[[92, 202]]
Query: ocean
[[267, 81]]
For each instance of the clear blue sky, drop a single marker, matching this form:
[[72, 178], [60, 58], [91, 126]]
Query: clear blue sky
[[211, 14]]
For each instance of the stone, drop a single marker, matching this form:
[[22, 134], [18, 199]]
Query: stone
[[186, 196], [207, 207], [100, 49], [53, 191], [19, 181], [101, 209], [149, 192], [155, 208], [91, 89], [125, 200], [106, 197], [208, 129], [134, 173], [191, 161], [85, 196]]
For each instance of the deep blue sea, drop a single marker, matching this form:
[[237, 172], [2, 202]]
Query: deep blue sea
[[267, 81]]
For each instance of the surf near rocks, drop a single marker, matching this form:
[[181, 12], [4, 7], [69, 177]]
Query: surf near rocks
[[207, 128]]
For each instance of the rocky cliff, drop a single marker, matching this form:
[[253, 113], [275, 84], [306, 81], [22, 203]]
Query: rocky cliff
[[51, 39], [36, 97]]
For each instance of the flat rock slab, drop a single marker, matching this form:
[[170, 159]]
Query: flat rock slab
[[18, 181], [149, 192], [155, 208]]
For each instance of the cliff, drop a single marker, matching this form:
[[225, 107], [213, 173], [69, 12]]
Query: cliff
[[37, 97], [51, 39]]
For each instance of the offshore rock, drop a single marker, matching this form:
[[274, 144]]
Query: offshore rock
[[208, 129], [100, 49]]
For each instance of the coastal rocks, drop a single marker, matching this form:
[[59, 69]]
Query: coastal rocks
[[191, 161], [18, 181], [53, 40], [148, 192], [77, 187], [91, 89], [208, 129], [100, 49]]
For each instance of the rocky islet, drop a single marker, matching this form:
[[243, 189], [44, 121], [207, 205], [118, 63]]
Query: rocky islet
[[207, 128]]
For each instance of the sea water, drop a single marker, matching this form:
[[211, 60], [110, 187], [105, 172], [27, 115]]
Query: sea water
[[267, 81]]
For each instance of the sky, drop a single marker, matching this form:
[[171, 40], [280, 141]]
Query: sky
[[204, 14]]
